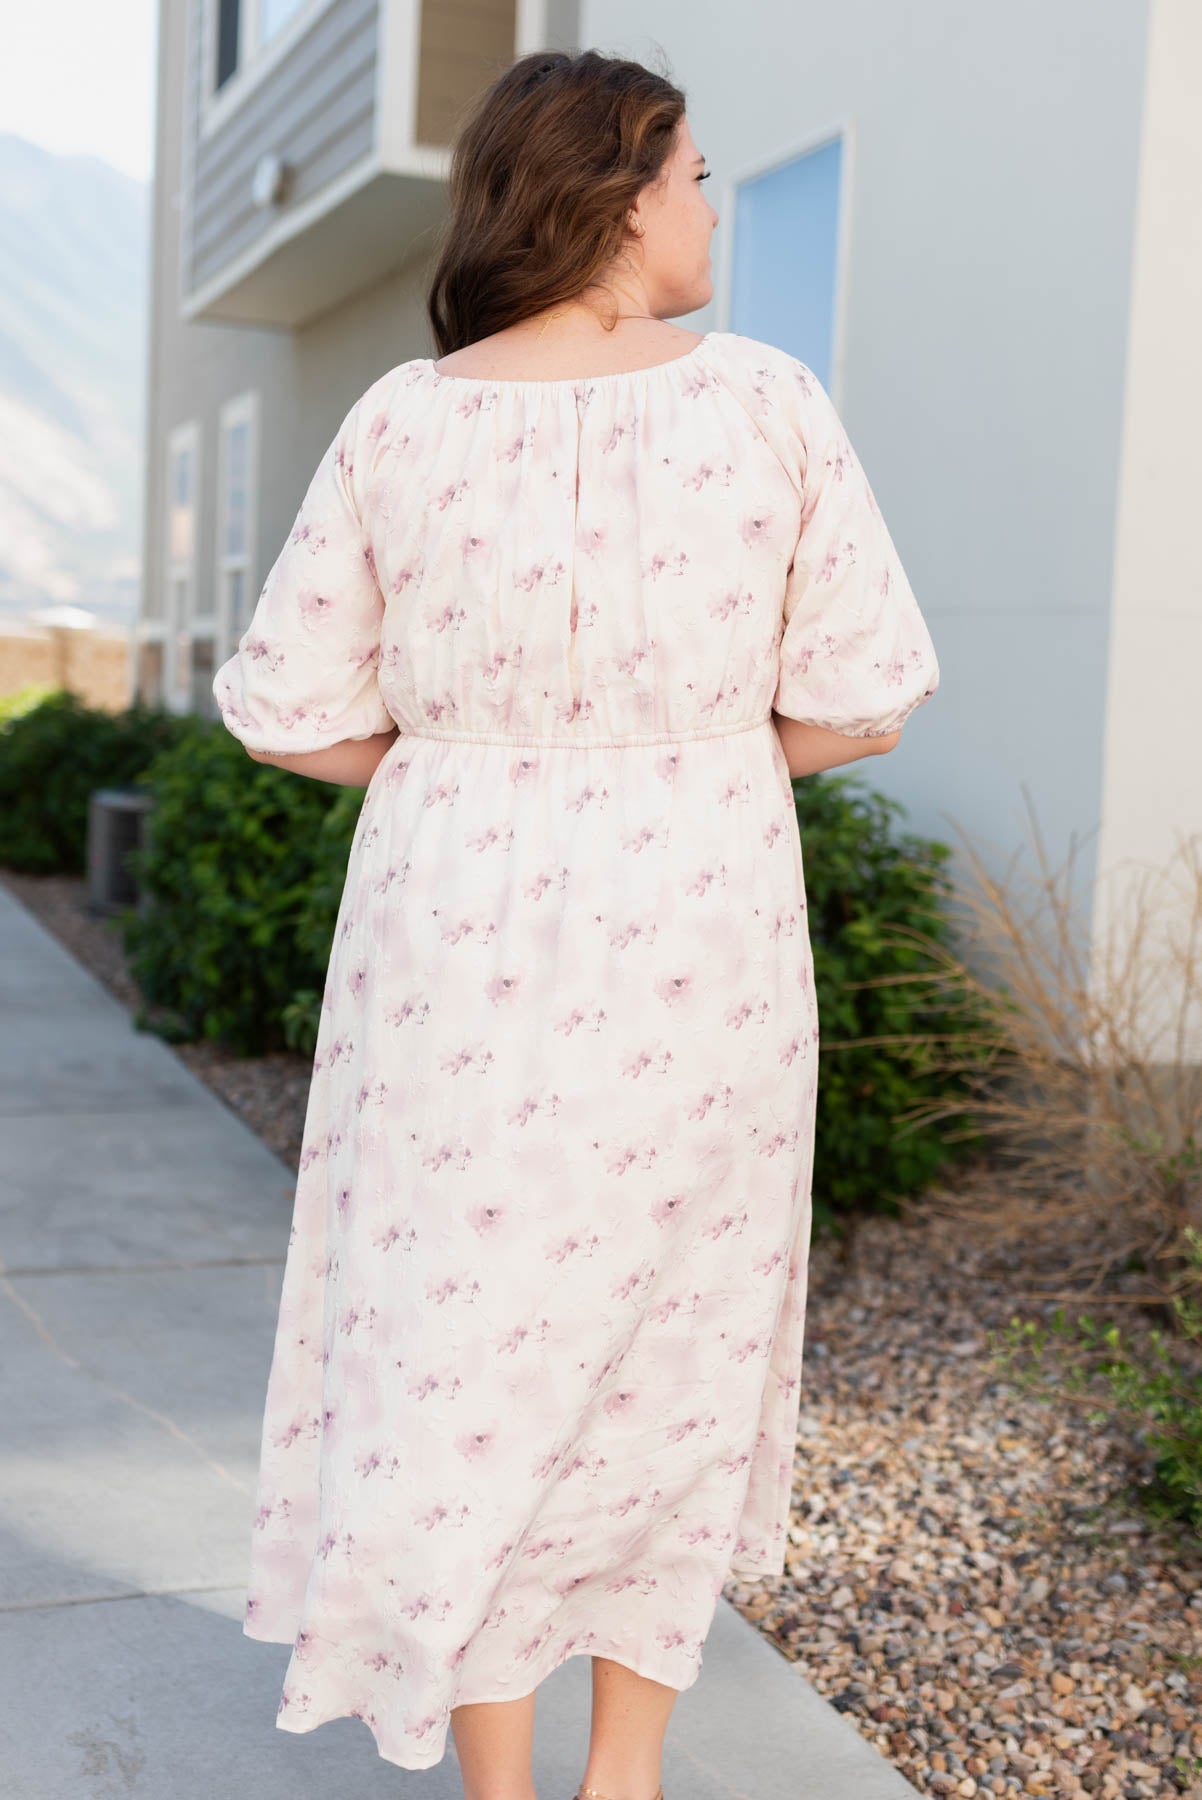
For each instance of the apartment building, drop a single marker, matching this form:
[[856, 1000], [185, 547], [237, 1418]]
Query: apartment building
[[982, 227]]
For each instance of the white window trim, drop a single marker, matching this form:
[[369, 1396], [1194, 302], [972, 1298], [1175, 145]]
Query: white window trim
[[177, 569], [195, 29], [242, 409], [254, 66]]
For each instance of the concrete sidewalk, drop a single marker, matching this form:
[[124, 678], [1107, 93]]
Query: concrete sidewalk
[[142, 1237]]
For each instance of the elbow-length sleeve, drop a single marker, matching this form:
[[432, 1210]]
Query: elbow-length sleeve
[[304, 674], [856, 656]]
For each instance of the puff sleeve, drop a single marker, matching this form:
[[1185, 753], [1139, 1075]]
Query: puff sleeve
[[856, 656], [304, 675]]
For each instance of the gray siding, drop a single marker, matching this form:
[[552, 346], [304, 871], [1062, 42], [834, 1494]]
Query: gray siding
[[316, 109]]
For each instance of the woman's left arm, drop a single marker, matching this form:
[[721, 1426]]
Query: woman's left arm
[[811, 748]]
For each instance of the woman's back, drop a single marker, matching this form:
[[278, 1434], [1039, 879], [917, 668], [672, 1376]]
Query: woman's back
[[585, 560], [536, 1379]]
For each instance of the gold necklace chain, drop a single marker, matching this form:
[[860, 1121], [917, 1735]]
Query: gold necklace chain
[[561, 310]]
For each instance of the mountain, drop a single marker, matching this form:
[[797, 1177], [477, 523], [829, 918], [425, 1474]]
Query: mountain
[[74, 274]]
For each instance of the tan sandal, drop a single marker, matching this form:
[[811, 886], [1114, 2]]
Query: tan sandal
[[592, 1794]]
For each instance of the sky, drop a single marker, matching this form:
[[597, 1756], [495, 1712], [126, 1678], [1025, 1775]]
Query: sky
[[78, 76]]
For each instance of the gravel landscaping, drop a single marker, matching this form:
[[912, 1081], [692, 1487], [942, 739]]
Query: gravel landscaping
[[969, 1580]]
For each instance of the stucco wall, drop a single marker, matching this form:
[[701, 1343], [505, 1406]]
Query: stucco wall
[[988, 275]]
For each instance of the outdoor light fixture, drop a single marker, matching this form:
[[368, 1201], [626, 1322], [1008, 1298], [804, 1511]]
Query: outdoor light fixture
[[270, 179]]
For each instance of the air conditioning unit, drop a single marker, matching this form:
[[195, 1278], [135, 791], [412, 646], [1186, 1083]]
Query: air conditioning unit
[[118, 822]]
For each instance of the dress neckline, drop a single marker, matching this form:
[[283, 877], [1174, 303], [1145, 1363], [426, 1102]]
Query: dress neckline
[[565, 381]]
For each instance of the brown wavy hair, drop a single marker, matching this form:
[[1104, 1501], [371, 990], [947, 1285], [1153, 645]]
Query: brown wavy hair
[[544, 167]]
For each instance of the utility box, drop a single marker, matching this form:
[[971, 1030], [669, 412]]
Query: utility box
[[118, 822]]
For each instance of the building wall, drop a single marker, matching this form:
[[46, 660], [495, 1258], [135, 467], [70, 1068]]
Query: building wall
[[1152, 768], [986, 297], [194, 368], [93, 664], [305, 380], [989, 222], [317, 106]]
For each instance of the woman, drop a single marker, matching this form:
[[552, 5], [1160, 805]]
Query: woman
[[573, 602]]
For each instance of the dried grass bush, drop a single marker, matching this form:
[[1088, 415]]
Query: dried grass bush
[[1083, 1073]]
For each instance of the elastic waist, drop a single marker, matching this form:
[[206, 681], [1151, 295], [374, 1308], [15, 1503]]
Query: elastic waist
[[630, 740]]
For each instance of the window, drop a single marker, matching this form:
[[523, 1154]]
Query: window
[[785, 260], [274, 15], [236, 491], [227, 40], [183, 487], [149, 678], [238, 30], [202, 666], [181, 496]]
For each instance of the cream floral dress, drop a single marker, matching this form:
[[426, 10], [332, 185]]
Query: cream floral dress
[[538, 1364]]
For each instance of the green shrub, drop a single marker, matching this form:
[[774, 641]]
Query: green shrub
[[318, 917], [864, 879], [1156, 1390], [54, 751], [246, 871], [228, 871], [23, 699]]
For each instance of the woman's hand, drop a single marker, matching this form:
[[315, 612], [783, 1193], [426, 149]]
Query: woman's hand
[[811, 748], [351, 763]]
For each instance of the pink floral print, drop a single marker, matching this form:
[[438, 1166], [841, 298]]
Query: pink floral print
[[537, 1367]]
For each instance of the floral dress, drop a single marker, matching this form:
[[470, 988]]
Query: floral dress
[[537, 1370]]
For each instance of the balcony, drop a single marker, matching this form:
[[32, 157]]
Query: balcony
[[316, 137]]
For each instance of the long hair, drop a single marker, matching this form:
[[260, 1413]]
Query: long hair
[[544, 167]]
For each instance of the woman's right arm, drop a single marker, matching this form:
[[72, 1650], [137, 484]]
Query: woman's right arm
[[811, 748], [352, 763], [856, 657]]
